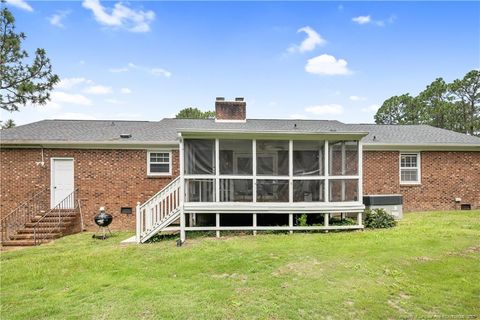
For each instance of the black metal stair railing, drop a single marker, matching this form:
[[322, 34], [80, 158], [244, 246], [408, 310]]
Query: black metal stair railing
[[67, 208], [16, 220]]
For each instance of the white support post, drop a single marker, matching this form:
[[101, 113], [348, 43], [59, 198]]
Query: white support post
[[359, 219], [254, 170], [182, 188], [326, 217], [360, 172], [254, 222], [290, 171], [290, 221], [182, 227], [217, 171], [138, 226], [344, 170], [326, 173], [217, 224]]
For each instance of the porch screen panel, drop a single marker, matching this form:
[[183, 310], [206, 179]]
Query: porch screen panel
[[199, 190], [235, 157], [343, 159], [308, 158], [199, 156], [343, 190], [308, 191], [272, 190], [236, 190], [272, 158]]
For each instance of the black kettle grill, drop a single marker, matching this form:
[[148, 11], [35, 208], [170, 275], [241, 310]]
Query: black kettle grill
[[102, 220]]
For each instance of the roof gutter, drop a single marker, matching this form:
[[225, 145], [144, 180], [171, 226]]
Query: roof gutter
[[273, 134], [87, 144], [420, 147]]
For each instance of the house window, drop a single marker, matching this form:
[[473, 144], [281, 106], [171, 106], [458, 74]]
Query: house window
[[410, 168], [159, 163]]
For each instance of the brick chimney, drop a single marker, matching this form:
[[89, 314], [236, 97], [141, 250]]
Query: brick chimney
[[235, 111]]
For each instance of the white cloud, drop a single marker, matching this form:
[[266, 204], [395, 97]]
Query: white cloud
[[50, 106], [125, 91], [357, 98], [98, 89], [127, 116], [371, 109], [326, 109], [114, 101], [298, 116], [154, 71], [327, 65], [22, 4], [362, 19], [69, 83], [118, 70], [56, 19], [75, 116], [64, 97], [369, 20], [120, 16], [161, 72], [310, 43]]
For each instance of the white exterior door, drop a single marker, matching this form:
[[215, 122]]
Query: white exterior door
[[61, 183]]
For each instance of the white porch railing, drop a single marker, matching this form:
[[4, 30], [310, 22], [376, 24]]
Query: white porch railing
[[159, 211]]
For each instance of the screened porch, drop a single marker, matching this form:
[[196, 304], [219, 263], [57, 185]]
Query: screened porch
[[234, 183]]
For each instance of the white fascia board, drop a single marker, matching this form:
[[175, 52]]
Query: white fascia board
[[89, 144], [420, 147], [269, 134]]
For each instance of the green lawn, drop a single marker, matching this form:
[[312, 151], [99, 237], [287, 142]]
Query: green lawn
[[428, 266]]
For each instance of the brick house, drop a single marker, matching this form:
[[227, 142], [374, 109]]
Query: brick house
[[202, 173]]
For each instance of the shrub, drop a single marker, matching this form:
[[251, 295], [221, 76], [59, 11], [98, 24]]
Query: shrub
[[302, 220], [379, 218], [342, 222]]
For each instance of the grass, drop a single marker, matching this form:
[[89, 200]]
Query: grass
[[427, 267]]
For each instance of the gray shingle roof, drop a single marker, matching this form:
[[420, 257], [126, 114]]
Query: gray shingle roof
[[87, 131], [166, 131], [413, 135]]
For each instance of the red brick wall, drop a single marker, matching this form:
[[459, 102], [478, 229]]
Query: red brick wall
[[110, 178], [118, 178], [444, 177]]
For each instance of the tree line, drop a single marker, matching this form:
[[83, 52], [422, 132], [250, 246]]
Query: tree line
[[454, 106]]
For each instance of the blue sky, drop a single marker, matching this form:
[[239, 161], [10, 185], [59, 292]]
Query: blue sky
[[316, 60]]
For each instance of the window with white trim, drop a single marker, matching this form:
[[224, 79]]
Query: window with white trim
[[409, 168], [159, 163]]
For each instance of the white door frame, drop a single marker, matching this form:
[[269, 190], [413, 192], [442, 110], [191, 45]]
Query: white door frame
[[52, 177]]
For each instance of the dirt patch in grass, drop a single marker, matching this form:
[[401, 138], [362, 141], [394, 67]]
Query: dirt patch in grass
[[235, 276], [309, 268], [467, 252]]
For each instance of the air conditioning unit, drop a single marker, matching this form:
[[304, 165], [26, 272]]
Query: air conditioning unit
[[392, 203]]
